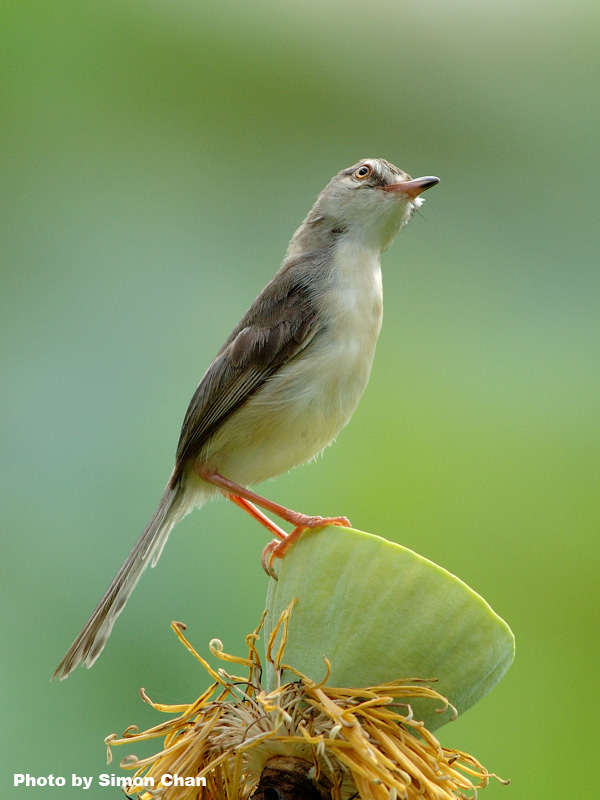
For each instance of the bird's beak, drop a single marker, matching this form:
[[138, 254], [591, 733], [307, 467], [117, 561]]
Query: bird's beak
[[412, 188]]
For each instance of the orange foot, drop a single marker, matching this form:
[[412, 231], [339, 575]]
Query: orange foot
[[277, 549]]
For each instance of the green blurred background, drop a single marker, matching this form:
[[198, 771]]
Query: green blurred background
[[157, 156]]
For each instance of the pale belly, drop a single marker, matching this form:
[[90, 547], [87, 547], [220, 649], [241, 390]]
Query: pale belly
[[290, 421], [302, 408]]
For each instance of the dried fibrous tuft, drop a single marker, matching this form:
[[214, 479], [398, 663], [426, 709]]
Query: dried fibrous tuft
[[301, 740]]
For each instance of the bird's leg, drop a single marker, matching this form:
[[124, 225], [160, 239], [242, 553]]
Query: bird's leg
[[258, 515], [246, 499], [293, 517]]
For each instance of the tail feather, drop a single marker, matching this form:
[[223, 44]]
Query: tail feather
[[89, 644]]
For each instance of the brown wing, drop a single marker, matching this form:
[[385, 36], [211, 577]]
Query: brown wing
[[278, 325]]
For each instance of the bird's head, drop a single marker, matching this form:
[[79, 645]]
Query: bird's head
[[369, 201]]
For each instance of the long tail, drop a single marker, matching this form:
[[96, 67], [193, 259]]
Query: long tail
[[89, 644]]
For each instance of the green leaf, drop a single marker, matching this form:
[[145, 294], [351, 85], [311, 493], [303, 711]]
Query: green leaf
[[380, 612]]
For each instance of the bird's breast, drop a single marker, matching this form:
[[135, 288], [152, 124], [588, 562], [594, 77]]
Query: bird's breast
[[351, 307], [302, 408]]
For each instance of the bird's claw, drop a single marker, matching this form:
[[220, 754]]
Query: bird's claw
[[277, 549], [267, 559]]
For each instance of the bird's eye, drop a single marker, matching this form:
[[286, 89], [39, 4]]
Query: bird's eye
[[363, 172]]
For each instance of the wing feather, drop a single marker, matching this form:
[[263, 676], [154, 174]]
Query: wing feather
[[280, 324]]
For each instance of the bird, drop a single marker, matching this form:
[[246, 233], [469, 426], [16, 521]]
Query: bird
[[286, 380]]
